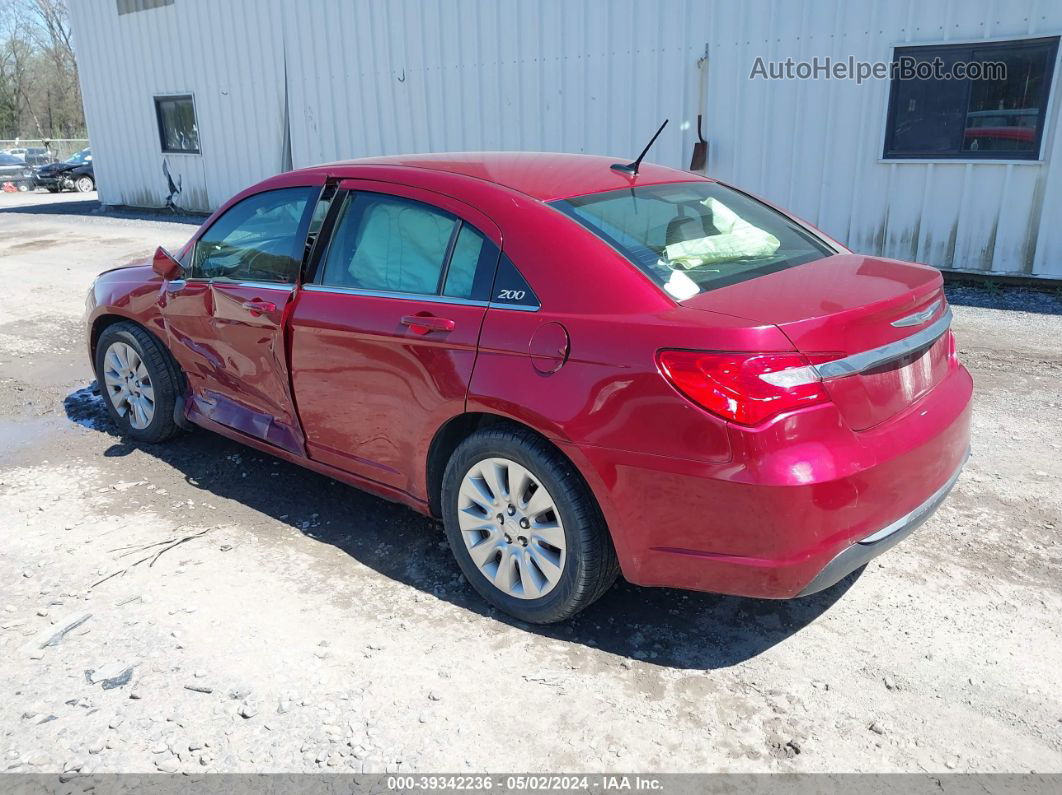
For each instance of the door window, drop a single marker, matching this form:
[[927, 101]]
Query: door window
[[389, 244], [461, 273], [259, 240]]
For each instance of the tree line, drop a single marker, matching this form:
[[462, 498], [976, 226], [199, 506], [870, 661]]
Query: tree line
[[40, 96]]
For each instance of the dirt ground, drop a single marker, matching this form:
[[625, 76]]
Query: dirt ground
[[304, 625]]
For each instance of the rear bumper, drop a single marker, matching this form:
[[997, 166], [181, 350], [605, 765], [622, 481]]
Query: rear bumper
[[803, 501], [862, 552]]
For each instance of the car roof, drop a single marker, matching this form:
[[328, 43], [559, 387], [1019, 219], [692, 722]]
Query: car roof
[[545, 176]]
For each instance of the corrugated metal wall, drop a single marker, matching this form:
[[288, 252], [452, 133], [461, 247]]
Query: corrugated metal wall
[[381, 77]]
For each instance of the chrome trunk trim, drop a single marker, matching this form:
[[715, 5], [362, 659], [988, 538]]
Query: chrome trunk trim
[[875, 357]]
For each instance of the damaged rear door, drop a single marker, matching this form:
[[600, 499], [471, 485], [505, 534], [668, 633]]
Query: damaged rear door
[[225, 316]]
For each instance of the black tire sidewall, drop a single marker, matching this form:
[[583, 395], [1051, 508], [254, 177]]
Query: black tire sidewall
[[562, 485], [162, 424]]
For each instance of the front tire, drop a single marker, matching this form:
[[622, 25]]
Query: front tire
[[139, 382], [524, 528], [84, 184]]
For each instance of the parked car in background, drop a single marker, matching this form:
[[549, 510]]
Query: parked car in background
[[74, 173], [581, 367], [16, 171], [32, 155]]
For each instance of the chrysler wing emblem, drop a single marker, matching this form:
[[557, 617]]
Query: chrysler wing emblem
[[918, 317]]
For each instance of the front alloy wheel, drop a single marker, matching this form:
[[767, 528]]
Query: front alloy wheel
[[84, 184], [129, 385], [139, 380]]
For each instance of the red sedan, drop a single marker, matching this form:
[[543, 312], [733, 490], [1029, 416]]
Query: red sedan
[[582, 370]]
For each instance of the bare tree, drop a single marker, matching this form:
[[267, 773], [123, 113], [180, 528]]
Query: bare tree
[[39, 90]]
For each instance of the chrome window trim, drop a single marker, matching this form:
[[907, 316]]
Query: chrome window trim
[[284, 286], [430, 297], [176, 285], [516, 307], [868, 360]]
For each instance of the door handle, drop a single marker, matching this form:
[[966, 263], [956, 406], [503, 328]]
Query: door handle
[[257, 307], [423, 324]]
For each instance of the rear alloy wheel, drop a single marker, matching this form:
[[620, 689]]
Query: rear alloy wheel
[[511, 528], [524, 528], [138, 381], [84, 184]]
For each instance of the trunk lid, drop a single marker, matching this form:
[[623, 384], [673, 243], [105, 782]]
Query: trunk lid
[[846, 305]]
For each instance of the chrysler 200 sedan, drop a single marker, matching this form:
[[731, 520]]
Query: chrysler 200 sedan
[[582, 370]]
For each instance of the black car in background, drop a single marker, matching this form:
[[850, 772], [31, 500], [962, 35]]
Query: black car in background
[[74, 173], [15, 170]]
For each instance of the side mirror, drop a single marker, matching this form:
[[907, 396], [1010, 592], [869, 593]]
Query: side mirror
[[165, 265]]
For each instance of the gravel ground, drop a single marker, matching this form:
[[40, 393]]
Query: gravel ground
[[202, 607]]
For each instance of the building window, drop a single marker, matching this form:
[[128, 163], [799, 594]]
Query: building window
[[132, 6], [178, 130], [935, 111]]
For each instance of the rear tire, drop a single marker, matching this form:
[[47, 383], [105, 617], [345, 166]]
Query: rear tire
[[139, 382], [558, 545]]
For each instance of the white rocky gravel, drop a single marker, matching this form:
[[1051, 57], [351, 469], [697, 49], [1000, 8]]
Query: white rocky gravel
[[301, 625]]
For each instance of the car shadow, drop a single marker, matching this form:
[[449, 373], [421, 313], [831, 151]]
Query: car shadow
[[92, 208], [679, 629]]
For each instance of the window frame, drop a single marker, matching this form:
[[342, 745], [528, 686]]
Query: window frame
[[158, 99], [314, 271], [298, 255], [1035, 157]]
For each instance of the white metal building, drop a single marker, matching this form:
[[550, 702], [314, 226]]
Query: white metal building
[[962, 178]]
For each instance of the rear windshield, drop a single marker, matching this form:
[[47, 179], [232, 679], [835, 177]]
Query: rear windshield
[[690, 237]]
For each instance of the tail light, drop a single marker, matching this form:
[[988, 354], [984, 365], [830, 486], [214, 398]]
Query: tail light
[[745, 388]]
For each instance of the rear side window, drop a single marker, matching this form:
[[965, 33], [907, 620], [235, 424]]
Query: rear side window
[[690, 237], [260, 239]]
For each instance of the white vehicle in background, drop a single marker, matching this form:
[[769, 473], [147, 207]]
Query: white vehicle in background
[[32, 155]]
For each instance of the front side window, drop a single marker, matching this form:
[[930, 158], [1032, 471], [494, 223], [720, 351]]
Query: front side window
[[260, 239], [690, 237], [997, 113], [178, 128]]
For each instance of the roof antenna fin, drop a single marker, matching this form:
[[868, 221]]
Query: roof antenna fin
[[632, 168]]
